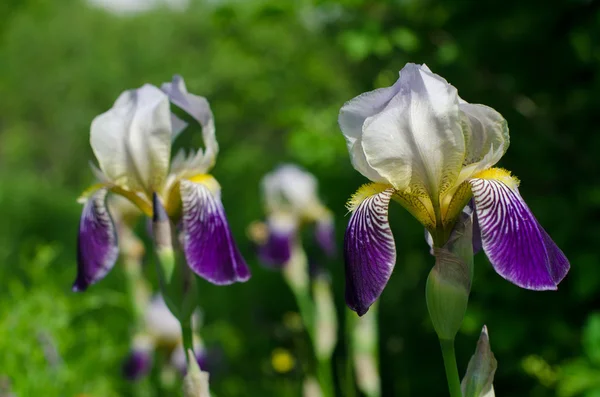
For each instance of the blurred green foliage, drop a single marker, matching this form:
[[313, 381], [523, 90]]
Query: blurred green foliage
[[276, 74]]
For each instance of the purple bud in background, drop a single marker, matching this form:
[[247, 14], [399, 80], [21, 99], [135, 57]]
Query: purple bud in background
[[137, 365], [325, 235]]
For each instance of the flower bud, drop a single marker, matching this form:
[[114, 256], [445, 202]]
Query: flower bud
[[195, 383], [480, 371]]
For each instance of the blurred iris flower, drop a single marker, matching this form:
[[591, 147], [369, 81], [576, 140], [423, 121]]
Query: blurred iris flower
[[160, 331], [290, 198], [426, 148], [132, 142]]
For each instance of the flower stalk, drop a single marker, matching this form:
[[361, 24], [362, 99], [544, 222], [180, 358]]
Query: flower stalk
[[450, 366]]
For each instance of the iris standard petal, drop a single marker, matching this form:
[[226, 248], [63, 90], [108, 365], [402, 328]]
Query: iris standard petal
[[351, 119], [289, 188], [486, 138], [199, 108], [416, 142], [132, 140], [97, 248], [209, 247], [369, 251], [515, 243]]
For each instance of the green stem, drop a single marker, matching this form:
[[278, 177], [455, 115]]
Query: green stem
[[451, 367], [188, 339], [349, 328], [325, 376]]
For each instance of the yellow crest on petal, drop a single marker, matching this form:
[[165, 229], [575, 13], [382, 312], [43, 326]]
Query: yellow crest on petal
[[363, 192], [499, 174]]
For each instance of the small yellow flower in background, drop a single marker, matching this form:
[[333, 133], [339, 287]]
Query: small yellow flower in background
[[282, 361]]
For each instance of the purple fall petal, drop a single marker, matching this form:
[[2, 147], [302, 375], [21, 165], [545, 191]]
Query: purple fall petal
[[517, 246], [97, 248], [137, 365], [209, 247], [277, 250], [369, 252], [325, 236]]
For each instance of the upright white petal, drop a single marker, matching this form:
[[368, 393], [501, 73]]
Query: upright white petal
[[199, 108], [290, 188], [486, 138], [416, 141], [132, 140], [352, 118]]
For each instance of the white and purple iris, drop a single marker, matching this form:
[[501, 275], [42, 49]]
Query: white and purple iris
[[290, 198], [132, 142], [426, 148]]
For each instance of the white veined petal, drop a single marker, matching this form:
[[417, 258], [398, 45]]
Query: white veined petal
[[132, 140], [416, 141]]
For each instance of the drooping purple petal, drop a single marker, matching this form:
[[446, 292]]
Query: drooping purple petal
[[369, 252], [517, 246], [325, 236], [97, 248], [277, 250], [209, 247], [137, 365]]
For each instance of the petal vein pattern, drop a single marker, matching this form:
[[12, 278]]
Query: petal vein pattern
[[369, 251], [517, 246], [97, 248], [209, 247]]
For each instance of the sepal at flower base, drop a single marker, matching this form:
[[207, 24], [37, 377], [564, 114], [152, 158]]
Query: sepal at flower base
[[177, 282], [449, 282], [481, 369]]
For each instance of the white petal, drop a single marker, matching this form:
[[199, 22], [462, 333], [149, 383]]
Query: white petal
[[199, 108], [416, 141], [132, 140], [352, 118], [486, 138], [289, 188]]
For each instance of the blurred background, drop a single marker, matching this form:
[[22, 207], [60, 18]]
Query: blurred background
[[276, 73]]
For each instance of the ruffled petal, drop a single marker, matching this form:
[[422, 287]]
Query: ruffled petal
[[517, 246], [416, 142], [369, 251], [97, 248], [209, 247], [132, 140], [199, 108]]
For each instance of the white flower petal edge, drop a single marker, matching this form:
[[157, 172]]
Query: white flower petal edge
[[132, 140]]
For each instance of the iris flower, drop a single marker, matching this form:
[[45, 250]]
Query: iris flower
[[291, 200], [426, 148], [132, 142]]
